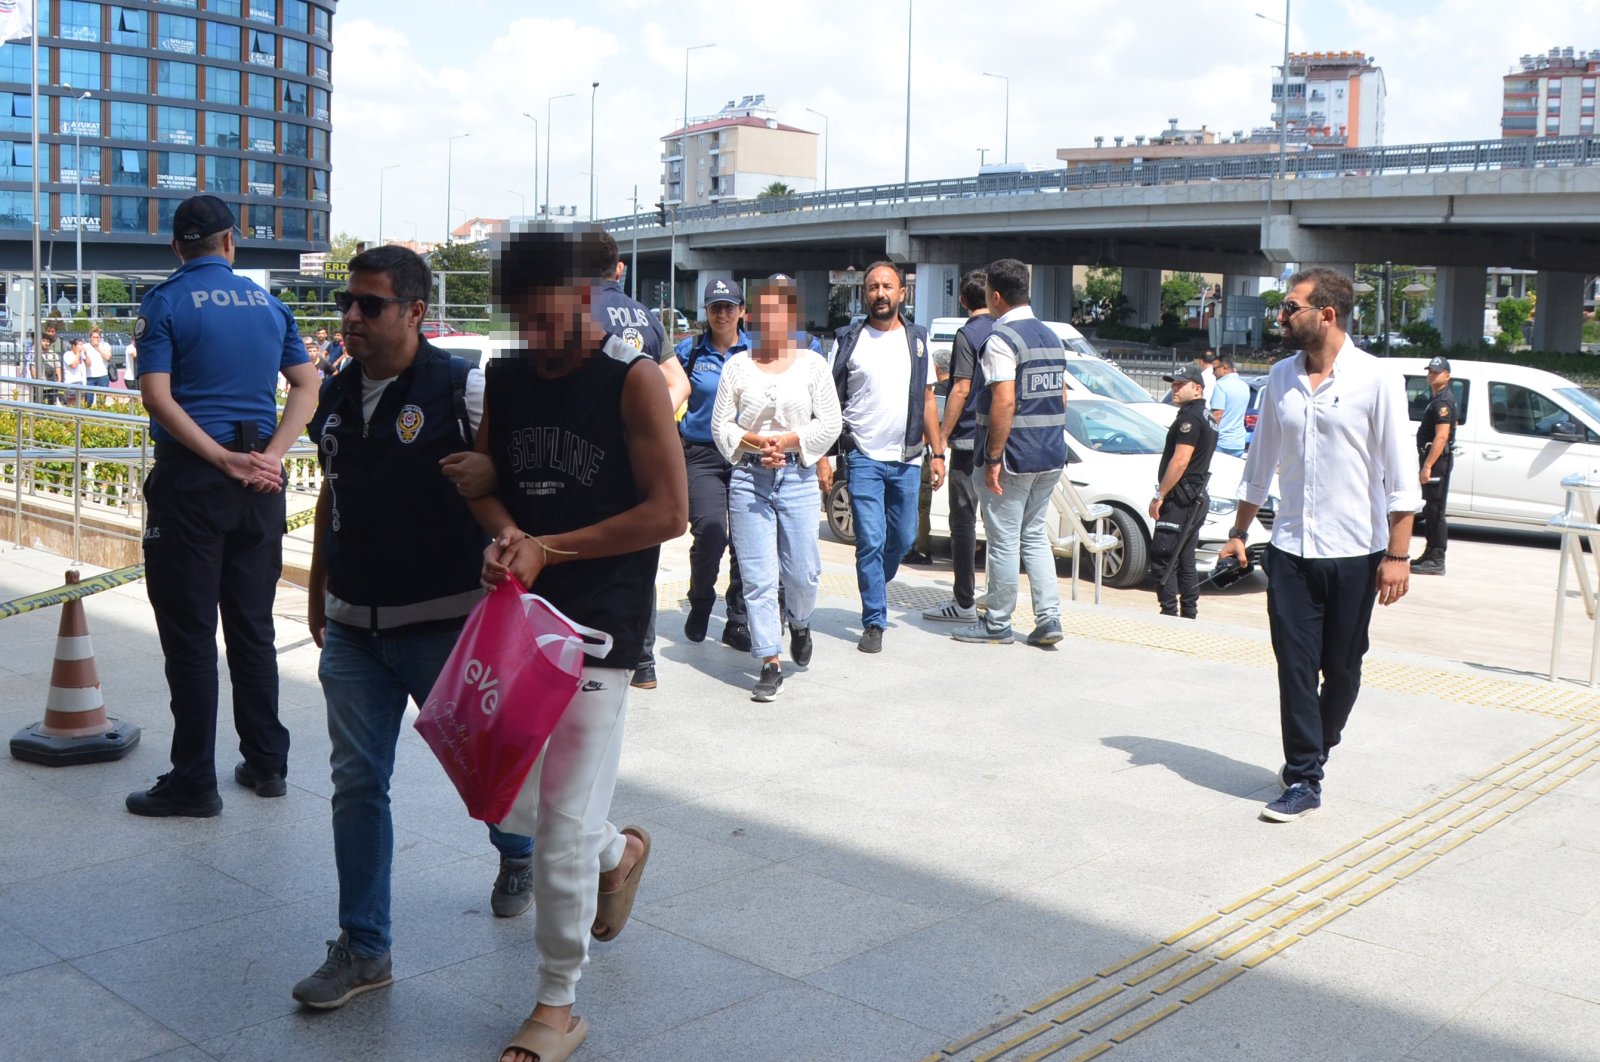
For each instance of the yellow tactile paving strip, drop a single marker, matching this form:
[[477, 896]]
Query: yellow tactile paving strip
[[1183, 968]]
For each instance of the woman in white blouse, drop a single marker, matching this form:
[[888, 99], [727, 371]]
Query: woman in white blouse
[[776, 413]]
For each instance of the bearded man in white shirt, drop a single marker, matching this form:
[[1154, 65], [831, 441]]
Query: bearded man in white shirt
[[1335, 430]]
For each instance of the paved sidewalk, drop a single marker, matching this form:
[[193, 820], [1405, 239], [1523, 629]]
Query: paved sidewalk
[[933, 853]]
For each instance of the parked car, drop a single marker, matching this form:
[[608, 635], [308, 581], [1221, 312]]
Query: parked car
[[476, 349], [433, 329], [679, 324], [1112, 457], [1253, 410]]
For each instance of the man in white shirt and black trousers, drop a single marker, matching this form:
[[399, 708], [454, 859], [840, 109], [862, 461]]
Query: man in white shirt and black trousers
[[1335, 430]]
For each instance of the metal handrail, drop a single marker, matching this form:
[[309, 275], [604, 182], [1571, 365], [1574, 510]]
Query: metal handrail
[[1517, 153]]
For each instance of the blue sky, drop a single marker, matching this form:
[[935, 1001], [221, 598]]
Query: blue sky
[[409, 75]]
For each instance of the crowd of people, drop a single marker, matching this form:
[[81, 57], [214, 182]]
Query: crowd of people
[[566, 465]]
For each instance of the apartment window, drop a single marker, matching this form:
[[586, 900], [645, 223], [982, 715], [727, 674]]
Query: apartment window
[[222, 86], [294, 56], [179, 81], [222, 42], [292, 182], [263, 48], [294, 97], [292, 225], [80, 69], [1553, 104], [176, 170], [263, 92], [1513, 123], [130, 74], [175, 125], [263, 135], [222, 175], [80, 21], [70, 158], [1553, 87], [222, 130], [132, 168], [130, 121], [263, 181], [1586, 123], [178, 33], [297, 15], [264, 10], [128, 27]]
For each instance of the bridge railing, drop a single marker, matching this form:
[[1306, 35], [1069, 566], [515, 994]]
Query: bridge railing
[[1469, 155]]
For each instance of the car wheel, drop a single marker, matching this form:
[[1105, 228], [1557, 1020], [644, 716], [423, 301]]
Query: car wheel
[[840, 523], [1128, 562]]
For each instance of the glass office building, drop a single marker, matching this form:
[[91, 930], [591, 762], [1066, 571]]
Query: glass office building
[[147, 102]]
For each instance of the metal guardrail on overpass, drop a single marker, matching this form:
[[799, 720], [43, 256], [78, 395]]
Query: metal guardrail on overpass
[[1467, 155]]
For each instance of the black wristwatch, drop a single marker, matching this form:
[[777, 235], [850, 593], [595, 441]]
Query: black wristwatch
[[1239, 534]]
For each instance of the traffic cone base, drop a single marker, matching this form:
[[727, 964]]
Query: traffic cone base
[[32, 745]]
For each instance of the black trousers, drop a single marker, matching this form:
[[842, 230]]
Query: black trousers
[[1172, 555], [708, 524], [1319, 612], [963, 526], [1435, 530], [211, 546]]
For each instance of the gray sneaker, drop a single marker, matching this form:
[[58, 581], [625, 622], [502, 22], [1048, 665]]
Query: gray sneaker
[[513, 888], [982, 632], [342, 977], [1046, 633]]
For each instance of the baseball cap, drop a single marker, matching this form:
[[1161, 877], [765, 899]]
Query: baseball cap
[[200, 216], [1186, 373], [723, 291], [1439, 364]]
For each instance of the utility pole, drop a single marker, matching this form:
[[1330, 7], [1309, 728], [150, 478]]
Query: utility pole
[[633, 270]]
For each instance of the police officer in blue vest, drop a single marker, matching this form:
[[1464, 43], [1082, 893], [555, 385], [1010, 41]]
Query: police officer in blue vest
[[1021, 448], [211, 346]]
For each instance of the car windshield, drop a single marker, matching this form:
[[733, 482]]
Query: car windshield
[[1107, 381], [1081, 346], [1111, 428], [1584, 398]]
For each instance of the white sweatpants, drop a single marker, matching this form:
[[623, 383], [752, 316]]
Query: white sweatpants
[[576, 776]]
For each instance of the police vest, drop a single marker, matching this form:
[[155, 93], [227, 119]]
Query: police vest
[[977, 330], [1036, 442], [403, 547], [626, 318], [916, 396]]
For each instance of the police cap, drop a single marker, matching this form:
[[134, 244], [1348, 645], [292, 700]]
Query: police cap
[[1186, 373], [200, 216]]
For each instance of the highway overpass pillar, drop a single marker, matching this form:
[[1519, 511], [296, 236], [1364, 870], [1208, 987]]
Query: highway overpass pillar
[[1459, 298], [814, 292], [1143, 289], [937, 287], [1558, 321], [1052, 292]]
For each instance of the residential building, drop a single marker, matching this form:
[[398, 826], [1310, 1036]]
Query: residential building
[[230, 97], [736, 154], [476, 230], [1171, 143], [1551, 95], [1336, 99]]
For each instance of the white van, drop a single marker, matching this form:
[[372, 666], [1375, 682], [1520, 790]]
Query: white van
[[1521, 431]]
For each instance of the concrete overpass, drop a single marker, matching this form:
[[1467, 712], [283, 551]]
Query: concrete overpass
[[1530, 204]]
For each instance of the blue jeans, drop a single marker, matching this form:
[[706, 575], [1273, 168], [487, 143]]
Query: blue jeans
[[1230, 451], [367, 679], [1014, 525], [883, 507], [773, 515]]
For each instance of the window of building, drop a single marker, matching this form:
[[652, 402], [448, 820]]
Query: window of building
[[130, 213], [132, 168], [294, 97], [176, 125], [80, 69], [1514, 123], [297, 15], [262, 222], [78, 209], [319, 146], [319, 62], [225, 7], [16, 112], [292, 182], [263, 136], [263, 48], [70, 156], [1553, 87], [128, 27], [178, 3], [222, 175], [16, 161], [319, 226], [178, 33], [130, 74], [16, 210], [319, 186], [176, 170], [130, 121], [294, 56], [222, 130], [295, 140], [222, 86], [263, 181], [14, 63], [319, 22], [264, 10], [80, 21], [222, 41], [179, 81], [1586, 122], [263, 92], [319, 104], [291, 225], [1553, 104]]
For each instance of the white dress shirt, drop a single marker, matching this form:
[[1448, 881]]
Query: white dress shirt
[[1343, 453]]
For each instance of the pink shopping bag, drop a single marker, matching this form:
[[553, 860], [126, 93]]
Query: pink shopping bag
[[501, 693]]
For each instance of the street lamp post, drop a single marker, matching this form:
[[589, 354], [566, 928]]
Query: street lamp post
[[908, 101], [686, 51], [381, 174], [535, 122], [449, 177], [547, 139], [77, 195], [594, 90], [827, 143], [1283, 89], [982, 153], [1007, 154]]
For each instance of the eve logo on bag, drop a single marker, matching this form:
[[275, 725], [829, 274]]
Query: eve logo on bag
[[479, 674]]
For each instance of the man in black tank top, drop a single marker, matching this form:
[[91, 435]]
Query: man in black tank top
[[591, 482]]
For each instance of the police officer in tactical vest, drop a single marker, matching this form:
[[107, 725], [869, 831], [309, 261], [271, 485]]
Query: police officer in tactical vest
[[1180, 503], [1020, 447], [211, 346]]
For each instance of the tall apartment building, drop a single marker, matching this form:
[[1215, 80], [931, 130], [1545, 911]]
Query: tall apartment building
[[143, 104], [734, 154], [1336, 99], [1551, 95]]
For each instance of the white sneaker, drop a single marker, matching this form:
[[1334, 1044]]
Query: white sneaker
[[950, 612]]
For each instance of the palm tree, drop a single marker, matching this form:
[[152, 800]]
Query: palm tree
[[774, 190]]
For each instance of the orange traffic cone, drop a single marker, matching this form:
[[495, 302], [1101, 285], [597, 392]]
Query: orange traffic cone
[[75, 727]]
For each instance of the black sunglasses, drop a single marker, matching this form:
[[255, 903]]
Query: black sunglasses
[[371, 305], [1289, 309]]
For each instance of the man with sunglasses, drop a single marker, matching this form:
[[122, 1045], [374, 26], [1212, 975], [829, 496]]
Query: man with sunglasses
[[211, 346], [386, 623], [1334, 429]]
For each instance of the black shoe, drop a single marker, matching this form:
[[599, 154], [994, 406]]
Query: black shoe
[[871, 639], [736, 636], [265, 783], [1427, 566], [644, 678], [694, 628], [769, 685], [916, 557], [800, 645], [513, 887], [161, 801], [343, 976]]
